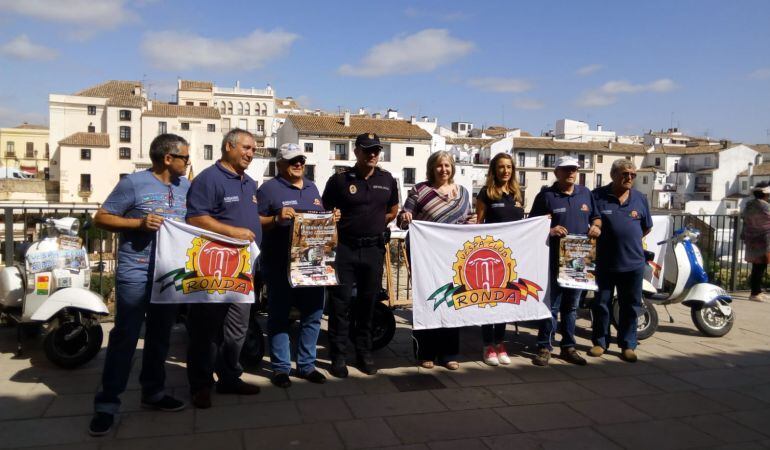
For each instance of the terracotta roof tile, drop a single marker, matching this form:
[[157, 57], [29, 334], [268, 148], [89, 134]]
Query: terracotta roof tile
[[160, 109], [692, 150], [333, 126], [87, 140], [190, 85], [110, 89], [761, 169], [472, 142], [29, 126], [127, 101], [551, 144]]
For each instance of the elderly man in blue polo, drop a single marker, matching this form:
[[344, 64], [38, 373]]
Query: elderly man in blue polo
[[620, 260]]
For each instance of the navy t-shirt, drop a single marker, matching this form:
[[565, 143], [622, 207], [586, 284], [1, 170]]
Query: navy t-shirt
[[362, 202], [619, 248], [136, 196], [279, 193], [227, 197], [506, 209]]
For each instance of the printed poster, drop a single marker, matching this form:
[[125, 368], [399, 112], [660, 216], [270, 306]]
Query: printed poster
[[312, 250], [577, 262]]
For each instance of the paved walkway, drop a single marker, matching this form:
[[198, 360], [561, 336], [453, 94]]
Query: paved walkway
[[687, 391]]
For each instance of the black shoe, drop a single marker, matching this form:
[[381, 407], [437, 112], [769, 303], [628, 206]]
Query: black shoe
[[571, 355], [313, 377], [167, 403], [542, 357], [101, 424], [240, 387], [201, 399], [365, 363], [339, 368], [281, 380]]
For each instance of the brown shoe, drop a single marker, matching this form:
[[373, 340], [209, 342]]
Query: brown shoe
[[596, 351], [571, 355], [240, 388], [542, 357], [202, 399], [628, 355]]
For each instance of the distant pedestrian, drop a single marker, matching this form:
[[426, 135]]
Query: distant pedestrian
[[756, 234]]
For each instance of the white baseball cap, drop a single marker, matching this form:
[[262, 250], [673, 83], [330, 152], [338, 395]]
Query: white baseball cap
[[289, 151], [567, 161]]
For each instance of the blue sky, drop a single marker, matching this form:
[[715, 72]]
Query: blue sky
[[701, 65]]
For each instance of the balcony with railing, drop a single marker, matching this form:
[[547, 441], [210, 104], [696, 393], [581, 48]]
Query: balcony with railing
[[244, 91], [85, 190]]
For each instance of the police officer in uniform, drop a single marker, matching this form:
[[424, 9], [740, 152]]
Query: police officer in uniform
[[367, 197]]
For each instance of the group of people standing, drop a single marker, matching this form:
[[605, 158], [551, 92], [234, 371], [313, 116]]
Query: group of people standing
[[364, 200]]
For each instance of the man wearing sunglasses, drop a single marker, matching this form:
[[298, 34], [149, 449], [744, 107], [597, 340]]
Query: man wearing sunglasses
[[135, 209], [620, 261], [368, 199], [279, 200]]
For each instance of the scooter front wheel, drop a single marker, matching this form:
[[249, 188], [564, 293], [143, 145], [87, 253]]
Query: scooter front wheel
[[646, 322], [73, 341], [711, 321]]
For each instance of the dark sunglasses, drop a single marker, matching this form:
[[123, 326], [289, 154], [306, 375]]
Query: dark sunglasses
[[298, 159], [630, 175], [185, 158]]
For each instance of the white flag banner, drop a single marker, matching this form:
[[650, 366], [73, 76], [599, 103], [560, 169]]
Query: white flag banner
[[193, 265], [479, 274], [661, 230]]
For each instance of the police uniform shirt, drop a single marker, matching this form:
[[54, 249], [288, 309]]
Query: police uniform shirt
[[362, 202], [619, 248], [279, 193], [505, 209], [227, 197]]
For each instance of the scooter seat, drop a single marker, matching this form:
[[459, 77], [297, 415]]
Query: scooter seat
[[658, 296]]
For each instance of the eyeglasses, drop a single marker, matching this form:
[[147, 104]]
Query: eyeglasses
[[631, 175], [185, 158], [298, 160]]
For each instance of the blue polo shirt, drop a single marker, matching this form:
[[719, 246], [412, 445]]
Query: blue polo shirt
[[227, 197], [136, 196], [573, 211], [276, 194], [619, 248]]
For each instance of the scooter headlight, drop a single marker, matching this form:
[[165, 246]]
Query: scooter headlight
[[693, 234], [67, 225]]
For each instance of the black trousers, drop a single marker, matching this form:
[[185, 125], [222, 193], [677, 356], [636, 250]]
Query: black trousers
[[755, 280], [440, 344], [351, 318]]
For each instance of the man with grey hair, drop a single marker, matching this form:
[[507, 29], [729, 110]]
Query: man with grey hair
[[620, 261], [222, 199], [135, 209]]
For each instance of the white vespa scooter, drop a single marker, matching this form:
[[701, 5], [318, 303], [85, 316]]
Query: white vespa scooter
[[51, 290], [686, 282]]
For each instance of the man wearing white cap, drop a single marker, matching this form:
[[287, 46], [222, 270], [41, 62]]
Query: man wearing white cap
[[279, 200], [572, 211]]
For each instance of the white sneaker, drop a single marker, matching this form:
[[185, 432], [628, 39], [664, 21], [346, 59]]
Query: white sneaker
[[490, 356], [761, 297], [502, 355]]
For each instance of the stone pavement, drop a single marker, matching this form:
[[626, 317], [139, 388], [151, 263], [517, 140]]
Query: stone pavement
[[686, 391]]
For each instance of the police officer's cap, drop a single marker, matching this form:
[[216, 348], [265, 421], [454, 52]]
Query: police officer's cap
[[368, 140]]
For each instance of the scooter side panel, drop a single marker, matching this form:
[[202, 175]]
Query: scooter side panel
[[705, 293], [77, 298]]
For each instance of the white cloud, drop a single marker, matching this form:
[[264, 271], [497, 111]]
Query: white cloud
[[173, 50], [22, 48], [496, 84], [589, 69], [528, 103], [420, 52], [87, 15], [760, 74], [608, 93]]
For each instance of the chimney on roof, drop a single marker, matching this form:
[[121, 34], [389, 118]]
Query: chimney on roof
[[361, 111], [346, 119], [724, 143], [609, 145], [598, 127], [751, 172], [413, 120], [377, 115], [237, 84], [149, 105]]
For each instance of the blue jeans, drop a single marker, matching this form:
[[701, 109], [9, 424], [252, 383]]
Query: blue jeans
[[310, 302], [564, 301], [629, 291], [132, 305]]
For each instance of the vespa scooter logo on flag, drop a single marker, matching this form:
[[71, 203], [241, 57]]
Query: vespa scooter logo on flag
[[484, 275]]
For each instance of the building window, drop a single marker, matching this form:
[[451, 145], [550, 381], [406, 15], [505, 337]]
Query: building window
[[91, 128], [185, 126], [189, 103], [222, 108], [47, 151], [211, 128], [310, 171], [657, 162], [628, 158], [208, 152], [124, 153], [247, 109], [582, 161], [385, 153], [125, 114], [162, 127], [340, 152], [125, 134], [600, 158], [308, 147], [85, 182], [549, 160], [260, 125], [10, 149], [544, 176], [708, 161], [229, 107], [85, 154], [204, 103], [744, 185], [523, 178], [582, 179], [410, 151], [522, 158], [409, 173], [30, 153], [644, 179], [598, 179], [91, 110], [270, 171], [239, 111]]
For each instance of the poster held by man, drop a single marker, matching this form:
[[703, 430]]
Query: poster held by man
[[313, 249]]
